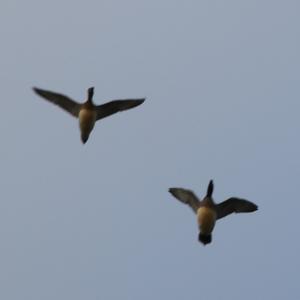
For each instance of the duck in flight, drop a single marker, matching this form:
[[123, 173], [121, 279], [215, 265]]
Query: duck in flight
[[208, 212], [88, 113]]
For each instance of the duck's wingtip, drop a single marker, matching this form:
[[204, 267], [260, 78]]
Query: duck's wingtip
[[138, 101], [37, 90], [171, 190]]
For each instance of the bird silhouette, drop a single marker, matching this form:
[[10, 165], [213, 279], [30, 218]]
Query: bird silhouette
[[88, 113], [208, 212]]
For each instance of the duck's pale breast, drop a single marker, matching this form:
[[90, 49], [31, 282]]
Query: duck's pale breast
[[87, 119], [206, 218]]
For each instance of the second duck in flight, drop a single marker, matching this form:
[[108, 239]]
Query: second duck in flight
[[208, 211], [88, 113]]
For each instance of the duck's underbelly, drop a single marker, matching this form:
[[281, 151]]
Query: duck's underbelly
[[87, 119], [206, 218]]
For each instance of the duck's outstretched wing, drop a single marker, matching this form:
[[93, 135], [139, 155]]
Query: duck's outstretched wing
[[62, 101], [234, 205], [115, 106], [186, 196]]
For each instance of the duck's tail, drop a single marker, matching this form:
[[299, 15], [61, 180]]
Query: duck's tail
[[204, 238]]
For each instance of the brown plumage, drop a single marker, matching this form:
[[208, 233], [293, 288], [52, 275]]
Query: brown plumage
[[87, 112], [208, 212]]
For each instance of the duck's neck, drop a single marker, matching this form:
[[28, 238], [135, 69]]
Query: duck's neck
[[90, 95], [210, 189], [208, 201]]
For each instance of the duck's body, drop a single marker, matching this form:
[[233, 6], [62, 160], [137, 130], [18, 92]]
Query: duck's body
[[87, 118], [208, 212], [88, 113], [206, 218]]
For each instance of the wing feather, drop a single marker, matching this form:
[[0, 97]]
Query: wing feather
[[62, 101], [234, 205], [187, 197], [115, 106]]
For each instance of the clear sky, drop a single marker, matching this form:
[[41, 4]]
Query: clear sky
[[96, 221]]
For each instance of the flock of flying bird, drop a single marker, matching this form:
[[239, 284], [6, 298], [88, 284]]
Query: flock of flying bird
[[207, 211]]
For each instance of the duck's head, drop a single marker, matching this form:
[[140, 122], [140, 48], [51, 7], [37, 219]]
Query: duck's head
[[90, 93], [210, 189]]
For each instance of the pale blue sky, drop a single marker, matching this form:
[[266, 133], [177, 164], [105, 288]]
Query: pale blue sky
[[95, 221]]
